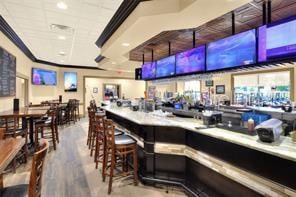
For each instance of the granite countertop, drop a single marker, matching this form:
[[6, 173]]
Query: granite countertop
[[284, 148], [271, 109]]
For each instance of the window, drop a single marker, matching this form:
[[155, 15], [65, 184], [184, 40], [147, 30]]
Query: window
[[192, 89], [272, 88]]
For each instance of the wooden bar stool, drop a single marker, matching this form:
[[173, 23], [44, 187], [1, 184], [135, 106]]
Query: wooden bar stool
[[99, 130], [90, 135], [100, 137], [118, 148]]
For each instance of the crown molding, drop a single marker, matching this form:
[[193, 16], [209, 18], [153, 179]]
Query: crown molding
[[124, 10], [67, 66], [13, 37]]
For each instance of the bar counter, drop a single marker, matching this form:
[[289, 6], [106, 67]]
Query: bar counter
[[208, 161]]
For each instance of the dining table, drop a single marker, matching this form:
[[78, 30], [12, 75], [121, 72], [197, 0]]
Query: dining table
[[9, 148], [27, 113]]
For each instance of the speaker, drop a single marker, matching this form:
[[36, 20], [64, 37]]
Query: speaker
[[60, 98], [16, 104], [138, 74]]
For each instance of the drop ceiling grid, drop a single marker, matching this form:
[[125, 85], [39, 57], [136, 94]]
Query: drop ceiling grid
[[31, 20]]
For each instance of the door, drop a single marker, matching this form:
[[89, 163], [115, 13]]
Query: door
[[22, 91]]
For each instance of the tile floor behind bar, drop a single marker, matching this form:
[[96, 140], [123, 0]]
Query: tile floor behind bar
[[70, 171]]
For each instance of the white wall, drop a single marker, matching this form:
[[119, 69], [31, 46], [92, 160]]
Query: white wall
[[130, 88]]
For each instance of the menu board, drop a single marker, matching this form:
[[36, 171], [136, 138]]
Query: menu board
[[7, 73]]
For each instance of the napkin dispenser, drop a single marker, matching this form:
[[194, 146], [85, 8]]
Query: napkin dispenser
[[123, 103], [212, 117], [269, 130]]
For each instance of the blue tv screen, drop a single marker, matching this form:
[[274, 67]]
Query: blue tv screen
[[277, 41], [166, 67], [70, 81], [148, 70], [191, 61], [236, 50], [44, 77]]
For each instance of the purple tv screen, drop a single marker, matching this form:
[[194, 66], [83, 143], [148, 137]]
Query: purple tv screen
[[191, 61], [166, 67], [148, 70], [277, 41], [44, 77], [236, 50]]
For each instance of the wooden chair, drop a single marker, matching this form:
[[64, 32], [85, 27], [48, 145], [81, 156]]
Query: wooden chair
[[72, 110], [76, 109], [2, 133], [51, 124], [33, 189], [118, 147], [14, 126]]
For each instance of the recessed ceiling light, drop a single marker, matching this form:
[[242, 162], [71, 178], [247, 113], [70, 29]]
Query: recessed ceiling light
[[125, 44], [113, 63], [62, 37], [62, 53], [62, 5]]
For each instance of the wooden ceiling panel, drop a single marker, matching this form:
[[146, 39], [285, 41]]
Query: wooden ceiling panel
[[247, 17]]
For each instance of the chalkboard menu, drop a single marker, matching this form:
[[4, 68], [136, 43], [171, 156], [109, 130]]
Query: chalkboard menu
[[7, 73]]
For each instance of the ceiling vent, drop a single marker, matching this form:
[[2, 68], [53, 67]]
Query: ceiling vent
[[61, 28]]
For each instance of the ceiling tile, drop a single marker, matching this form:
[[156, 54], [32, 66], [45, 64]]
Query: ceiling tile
[[31, 20]]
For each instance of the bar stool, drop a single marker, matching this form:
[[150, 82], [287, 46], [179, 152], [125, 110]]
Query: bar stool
[[90, 137], [100, 137], [51, 123], [118, 147]]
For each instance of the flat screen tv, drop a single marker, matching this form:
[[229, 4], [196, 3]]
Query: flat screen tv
[[166, 67], [191, 61], [44, 77], [70, 81], [277, 40], [149, 70], [233, 51]]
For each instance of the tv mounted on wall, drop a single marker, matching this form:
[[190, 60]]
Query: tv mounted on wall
[[149, 70], [44, 77], [277, 40], [233, 51], [70, 81], [191, 61], [166, 67]]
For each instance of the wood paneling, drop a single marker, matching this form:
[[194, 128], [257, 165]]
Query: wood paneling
[[247, 17]]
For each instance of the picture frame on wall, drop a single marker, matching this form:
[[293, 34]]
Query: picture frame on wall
[[209, 83], [70, 81], [220, 89], [95, 90], [111, 91]]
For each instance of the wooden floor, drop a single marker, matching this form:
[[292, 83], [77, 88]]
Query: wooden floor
[[70, 171]]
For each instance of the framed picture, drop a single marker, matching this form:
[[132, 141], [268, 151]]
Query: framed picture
[[95, 90], [111, 91], [209, 83], [220, 89], [70, 81]]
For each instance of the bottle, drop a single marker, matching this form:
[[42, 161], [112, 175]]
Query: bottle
[[251, 125]]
